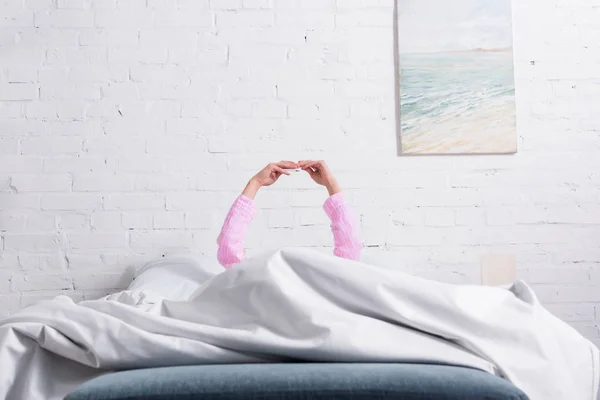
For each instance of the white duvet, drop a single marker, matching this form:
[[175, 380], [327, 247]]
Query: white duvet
[[298, 304]]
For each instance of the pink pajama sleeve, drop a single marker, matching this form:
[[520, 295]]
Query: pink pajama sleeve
[[344, 227], [231, 239]]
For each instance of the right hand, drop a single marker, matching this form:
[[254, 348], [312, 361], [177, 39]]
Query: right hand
[[320, 172]]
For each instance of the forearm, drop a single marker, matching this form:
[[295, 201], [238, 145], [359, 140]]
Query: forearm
[[344, 227], [231, 239]]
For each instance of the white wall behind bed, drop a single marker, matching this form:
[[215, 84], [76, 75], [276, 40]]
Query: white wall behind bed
[[128, 127]]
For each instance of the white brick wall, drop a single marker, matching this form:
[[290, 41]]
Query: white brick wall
[[128, 127]]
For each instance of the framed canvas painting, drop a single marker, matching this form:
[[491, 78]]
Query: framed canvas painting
[[457, 92]]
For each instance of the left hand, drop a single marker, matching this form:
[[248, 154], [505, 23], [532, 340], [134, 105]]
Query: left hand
[[267, 176], [272, 172], [320, 173]]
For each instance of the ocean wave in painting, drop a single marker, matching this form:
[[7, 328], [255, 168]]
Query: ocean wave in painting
[[462, 102]]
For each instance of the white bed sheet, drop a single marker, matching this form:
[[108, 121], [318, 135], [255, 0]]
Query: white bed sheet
[[294, 304]]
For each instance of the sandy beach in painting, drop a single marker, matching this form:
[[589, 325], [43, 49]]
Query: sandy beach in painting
[[458, 103], [456, 76]]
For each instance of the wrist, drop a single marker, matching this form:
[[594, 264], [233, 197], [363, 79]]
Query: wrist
[[333, 188], [251, 188]]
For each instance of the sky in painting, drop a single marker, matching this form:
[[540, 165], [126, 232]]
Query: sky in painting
[[430, 26]]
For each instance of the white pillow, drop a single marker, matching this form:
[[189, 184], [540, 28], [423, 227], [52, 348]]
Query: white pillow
[[174, 277]]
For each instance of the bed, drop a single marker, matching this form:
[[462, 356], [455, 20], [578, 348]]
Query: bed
[[295, 324], [300, 381]]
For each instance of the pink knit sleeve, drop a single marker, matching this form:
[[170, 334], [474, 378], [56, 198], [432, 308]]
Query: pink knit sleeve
[[344, 226], [231, 239]]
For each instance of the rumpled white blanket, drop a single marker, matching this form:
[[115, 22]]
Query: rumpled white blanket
[[297, 304]]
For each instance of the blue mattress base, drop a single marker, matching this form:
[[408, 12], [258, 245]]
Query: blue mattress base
[[300, 381]]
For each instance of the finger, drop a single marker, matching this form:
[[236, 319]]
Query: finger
[[313, 173], [275, 176], [304, 163], [287, 164], [280, 170], [320, 165], [307, 164]]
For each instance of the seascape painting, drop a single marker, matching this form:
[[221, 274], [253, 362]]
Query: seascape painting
[[457, 92]]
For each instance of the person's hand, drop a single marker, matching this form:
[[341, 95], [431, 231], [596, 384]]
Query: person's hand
[[267, 176], [320, 173]]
